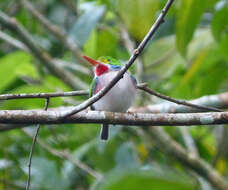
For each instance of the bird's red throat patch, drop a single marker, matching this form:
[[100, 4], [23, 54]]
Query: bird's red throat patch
[[101, 69]]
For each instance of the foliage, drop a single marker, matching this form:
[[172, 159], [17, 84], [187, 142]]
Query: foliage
[[187, 58]]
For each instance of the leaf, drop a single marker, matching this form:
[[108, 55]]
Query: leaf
[[223, 46], [200, 77], [126, 156], [219, 24], [138, 15], [188, 16], [84, 149], [83, 26], [13, 66], [102, 42], [45, 174], [147, 179], [50, 84]]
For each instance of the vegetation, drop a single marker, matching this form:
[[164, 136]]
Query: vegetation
[[186, 59]]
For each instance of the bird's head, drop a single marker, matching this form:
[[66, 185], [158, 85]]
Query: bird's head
[[104, 64]]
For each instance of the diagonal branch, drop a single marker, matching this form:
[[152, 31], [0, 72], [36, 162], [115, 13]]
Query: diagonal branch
[[66, 155], [10, 40], [20, 45], [44, 57], [219, 101], [171, 147], [182, 102], [58, 32], [120, 74]]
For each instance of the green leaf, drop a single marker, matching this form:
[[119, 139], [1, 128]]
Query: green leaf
[[50, 84], [219, 24], [126, 156], [138, 15], [82, 28], [145, 179], [200, 77], [188, 16], [45, 174], [223, 46], [15, 65], [84, 149], [102, 42]]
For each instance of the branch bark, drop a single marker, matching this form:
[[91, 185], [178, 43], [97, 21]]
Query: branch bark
[[219, 101], [182, 102], [43, 95], [15, 43], [143, 119], [120, 74], [171, 147]]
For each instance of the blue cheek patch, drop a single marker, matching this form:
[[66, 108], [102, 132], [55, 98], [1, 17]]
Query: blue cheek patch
[[116, 67]]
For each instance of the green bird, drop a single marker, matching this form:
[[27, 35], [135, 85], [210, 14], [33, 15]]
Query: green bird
[[120, 97]]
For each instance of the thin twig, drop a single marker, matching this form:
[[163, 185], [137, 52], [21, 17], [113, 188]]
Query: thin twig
[[44, 95], [217, 100], [182, 102], [130, 45], [66, 155], [120, 74], [33, 146]]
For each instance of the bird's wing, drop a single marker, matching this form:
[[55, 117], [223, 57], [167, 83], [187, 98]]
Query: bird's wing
[[92, 90]]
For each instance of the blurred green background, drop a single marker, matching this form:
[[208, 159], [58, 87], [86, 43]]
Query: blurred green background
[[187, 58]]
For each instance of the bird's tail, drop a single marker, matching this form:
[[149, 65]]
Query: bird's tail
[[104, 132]]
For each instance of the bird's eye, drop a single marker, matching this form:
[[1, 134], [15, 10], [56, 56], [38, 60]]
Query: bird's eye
[[109, 60]]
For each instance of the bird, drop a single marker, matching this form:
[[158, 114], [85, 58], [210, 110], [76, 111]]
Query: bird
[[120, 97]]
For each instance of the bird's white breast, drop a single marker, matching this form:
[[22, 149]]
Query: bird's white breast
[[120, 97]]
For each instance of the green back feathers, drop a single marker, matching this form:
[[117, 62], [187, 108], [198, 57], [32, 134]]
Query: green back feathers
[[109, 60], [92, 86]]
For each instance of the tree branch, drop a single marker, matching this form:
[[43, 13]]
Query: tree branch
[[66, 155], [54, 29], [143, 119], [72, 5], [182, 102], [189, 141], [44, 57], [219, 101], [120, 74], [33, 147], [171, 147], [130, 45], [44, 95], [20, 45], [10, 40]]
